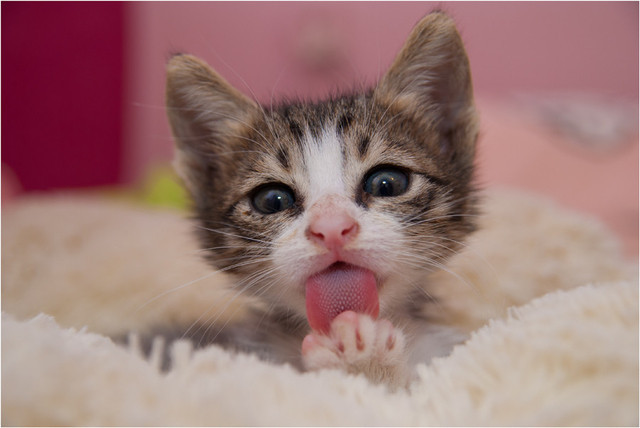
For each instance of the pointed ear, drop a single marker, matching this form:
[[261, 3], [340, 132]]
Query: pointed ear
[[431, 79], [204, 113]]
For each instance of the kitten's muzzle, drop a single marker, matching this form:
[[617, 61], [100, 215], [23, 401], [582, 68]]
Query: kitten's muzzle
[[332, 230]]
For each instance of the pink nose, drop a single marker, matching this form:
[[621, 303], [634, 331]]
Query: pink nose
[[332, 229]]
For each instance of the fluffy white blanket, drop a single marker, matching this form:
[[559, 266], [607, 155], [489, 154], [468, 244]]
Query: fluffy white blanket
[[551, 306]]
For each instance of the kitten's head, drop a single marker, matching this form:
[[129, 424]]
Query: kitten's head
[[363, 193]]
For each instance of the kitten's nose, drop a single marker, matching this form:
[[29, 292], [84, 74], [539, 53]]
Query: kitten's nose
[[332, 229]]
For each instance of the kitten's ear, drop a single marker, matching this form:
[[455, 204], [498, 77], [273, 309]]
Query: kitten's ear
[[431, 79], [204, 112]]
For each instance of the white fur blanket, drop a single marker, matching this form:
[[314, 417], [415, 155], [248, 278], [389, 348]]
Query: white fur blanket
[[566, 353]]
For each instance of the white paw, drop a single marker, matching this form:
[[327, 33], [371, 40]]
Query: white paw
[[355, 343]]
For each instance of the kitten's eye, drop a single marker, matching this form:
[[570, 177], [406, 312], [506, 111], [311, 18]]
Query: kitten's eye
[[272, 198], [386, 182]]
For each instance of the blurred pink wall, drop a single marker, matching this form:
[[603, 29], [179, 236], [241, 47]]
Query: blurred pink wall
[[268, 49]]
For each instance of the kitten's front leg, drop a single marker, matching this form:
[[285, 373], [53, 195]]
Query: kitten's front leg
[[357, 343]]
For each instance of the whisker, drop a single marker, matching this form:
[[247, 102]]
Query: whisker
[[233, 235], [173, 290], [442, 267], [210, 323], [229, 247], [217, 317], [464, 245], [233, 226]]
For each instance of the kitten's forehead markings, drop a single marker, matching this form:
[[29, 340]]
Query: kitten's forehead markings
[[324, 160], [283, 158]]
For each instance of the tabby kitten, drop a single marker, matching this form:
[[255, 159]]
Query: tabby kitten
[[335, 213]]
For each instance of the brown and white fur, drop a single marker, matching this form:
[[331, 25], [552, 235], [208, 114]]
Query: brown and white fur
[[419, 119]]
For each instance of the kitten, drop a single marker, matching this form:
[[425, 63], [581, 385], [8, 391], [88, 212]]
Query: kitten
[[335, 213]]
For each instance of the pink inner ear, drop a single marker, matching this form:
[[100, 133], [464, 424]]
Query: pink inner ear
[[341, 287]]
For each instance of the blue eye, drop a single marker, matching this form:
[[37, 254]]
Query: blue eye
[[272, 198], [386, 182]]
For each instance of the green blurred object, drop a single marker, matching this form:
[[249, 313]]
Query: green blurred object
[[162, 188]]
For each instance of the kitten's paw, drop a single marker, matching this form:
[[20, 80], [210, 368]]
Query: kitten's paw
[[358, 344]]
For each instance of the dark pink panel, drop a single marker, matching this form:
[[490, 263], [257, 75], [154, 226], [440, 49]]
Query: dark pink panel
[[61, 93]]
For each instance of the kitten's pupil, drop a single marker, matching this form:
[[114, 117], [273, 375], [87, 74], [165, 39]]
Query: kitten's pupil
[[386, 182], [272, 199]]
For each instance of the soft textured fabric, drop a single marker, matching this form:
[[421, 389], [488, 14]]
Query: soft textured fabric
[[551, 307]]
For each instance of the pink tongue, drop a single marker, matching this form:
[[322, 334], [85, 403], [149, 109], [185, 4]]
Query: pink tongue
[[340, 287]]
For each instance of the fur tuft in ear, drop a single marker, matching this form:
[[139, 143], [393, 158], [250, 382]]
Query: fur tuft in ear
[[204, 112], [431, 79]]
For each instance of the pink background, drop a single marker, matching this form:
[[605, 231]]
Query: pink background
[[513, 47], [83, 83]]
